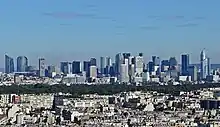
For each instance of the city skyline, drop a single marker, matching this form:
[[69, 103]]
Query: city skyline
[[35, 62], [79, 30], [125, 68]]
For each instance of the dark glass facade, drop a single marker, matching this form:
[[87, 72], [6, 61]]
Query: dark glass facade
[[76, 67], [93, 62], [185, 64]]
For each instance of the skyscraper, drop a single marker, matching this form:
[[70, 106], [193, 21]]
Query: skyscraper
[[93, 72], [156, 60], [126, 55], [131, 60], [165, 63], [185, 64], [76, 67], [93, 62], [86, 67], [108, 66], [209, 65], [108, 61], [51, 69], [139, 65], [9, 64], [102, 64], [173, 63], [22, 64], [204, 65], [118, 62], [150, 66], [42, 67], [124, 77], [65, 67], [131, 71], [192, 71]]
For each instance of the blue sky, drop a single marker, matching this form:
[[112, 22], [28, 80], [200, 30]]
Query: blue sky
[[78, 29]]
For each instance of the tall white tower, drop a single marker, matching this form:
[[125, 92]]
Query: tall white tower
[[204, 65], [124, 77], [139, 65]]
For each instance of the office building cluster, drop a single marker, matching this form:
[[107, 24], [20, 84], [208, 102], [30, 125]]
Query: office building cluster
[[126, 68]]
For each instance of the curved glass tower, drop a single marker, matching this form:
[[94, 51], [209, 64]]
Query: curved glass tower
[[9, 64], [22, 64]]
